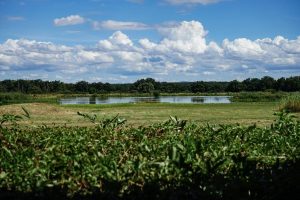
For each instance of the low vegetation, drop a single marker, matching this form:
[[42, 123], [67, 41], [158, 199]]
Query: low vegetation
[[17, 97], [258, 96], [13, 97], [291, 103], [174, 159]]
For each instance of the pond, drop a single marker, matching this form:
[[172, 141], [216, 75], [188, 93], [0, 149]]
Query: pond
[[161, 99]]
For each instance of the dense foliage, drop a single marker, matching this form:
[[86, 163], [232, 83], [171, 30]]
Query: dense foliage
[[149, 85], [175, 159]]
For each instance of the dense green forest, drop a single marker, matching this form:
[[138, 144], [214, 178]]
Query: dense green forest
[[149, 85]]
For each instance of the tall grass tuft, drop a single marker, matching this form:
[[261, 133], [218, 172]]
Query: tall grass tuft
[[290, 103]]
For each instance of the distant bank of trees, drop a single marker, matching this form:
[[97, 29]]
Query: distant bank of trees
[[149, 85]]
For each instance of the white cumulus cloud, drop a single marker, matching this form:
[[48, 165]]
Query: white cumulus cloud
[[182, 50], [118, 40], [32, 55], [243, 47], [185, 37]]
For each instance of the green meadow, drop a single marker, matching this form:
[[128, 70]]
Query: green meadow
[[260, 113]]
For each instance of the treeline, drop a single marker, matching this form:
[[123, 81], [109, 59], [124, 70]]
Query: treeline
[[149, 85]]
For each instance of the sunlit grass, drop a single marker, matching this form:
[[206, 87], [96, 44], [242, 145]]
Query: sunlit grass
[[148, 113]]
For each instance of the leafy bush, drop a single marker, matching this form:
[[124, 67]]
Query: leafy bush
[[169, 160]]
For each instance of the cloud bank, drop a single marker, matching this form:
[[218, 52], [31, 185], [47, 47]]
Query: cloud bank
[[183, 50]]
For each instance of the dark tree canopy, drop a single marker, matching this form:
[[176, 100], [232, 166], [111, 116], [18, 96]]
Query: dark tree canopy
[[149, 85]]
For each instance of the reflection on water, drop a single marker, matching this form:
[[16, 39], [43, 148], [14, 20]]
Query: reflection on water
[[197, 99], [162, 99], [92, 100]]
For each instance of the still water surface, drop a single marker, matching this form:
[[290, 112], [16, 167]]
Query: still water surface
[[161, 99]]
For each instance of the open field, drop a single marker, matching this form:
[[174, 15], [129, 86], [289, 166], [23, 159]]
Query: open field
[[260, 113]]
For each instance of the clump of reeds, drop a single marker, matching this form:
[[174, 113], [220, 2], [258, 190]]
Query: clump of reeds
[[290, 103]]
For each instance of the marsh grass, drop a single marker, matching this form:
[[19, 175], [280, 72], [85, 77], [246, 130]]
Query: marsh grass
[[18, 98], [290, 103], [257, 96], [9, 97]]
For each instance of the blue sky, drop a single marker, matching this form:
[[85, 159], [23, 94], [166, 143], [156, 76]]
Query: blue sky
[[169, 40]]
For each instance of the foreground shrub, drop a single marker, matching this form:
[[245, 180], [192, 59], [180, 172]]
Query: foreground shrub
[[169, 160]]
